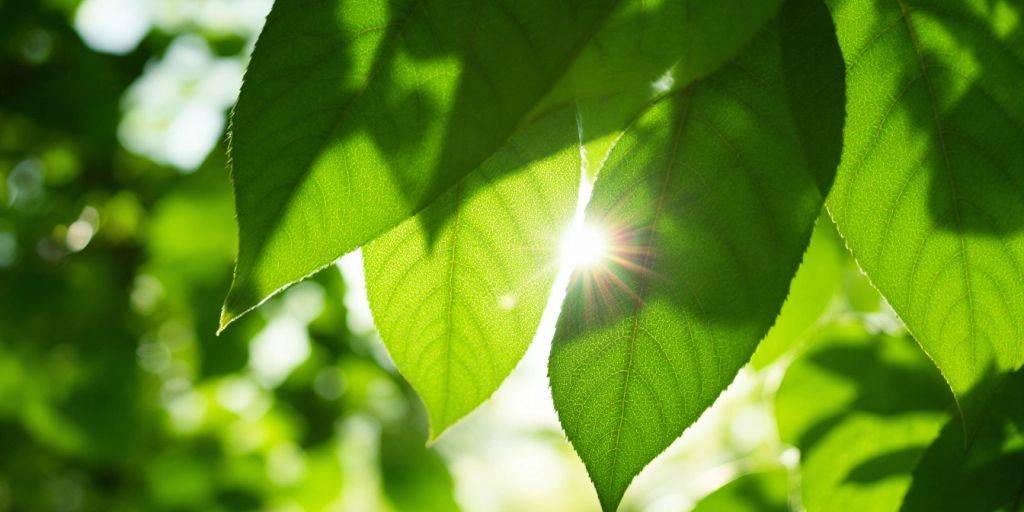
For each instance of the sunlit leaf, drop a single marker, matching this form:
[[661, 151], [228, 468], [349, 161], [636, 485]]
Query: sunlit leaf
[[355, 116], [707, 203], [929, 194], [457, 309]]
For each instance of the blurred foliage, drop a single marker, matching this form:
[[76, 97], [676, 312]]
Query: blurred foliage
[[115, 394], [766, 491]]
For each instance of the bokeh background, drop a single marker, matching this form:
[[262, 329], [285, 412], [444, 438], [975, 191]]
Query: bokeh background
[[117, 239]]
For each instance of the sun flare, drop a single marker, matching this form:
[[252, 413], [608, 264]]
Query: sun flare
[[585, 246]]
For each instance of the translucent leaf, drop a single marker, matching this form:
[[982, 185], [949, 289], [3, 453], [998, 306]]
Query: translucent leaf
[[355, 116], [929, 194], [707, 203]]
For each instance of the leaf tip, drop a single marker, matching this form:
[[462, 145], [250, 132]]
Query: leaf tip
[[226, 319]]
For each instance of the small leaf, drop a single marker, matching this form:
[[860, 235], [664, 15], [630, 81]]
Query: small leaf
[[707, 203], [930, 193], [354, 117], [458, 310]]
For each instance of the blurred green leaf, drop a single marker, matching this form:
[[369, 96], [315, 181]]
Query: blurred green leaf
[[816, 283], [862, 408], [989, 475], [764, 491]]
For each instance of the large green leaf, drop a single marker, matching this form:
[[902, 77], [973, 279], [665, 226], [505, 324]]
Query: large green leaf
[[457, 309], [930, 192], [708, 201], [356, 115], [862, 409]]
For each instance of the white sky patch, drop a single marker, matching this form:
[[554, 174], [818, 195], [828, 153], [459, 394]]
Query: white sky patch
[[113, 26], [278, 349], [360, 318], [175, 113]]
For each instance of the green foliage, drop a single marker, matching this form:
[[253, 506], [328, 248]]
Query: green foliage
[[928, 196], [455, 143], [882, 435], [877, 405], [811, 293], [646, 344]]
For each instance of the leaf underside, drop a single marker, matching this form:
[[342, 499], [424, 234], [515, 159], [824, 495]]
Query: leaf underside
[[708, 201], [930, 192]]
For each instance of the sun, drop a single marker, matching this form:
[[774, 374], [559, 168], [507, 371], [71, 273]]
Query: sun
[[585, 246]]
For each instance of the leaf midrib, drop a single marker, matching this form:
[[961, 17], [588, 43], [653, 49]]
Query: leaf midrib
[[682, 119], [951, 180], [449, 312]]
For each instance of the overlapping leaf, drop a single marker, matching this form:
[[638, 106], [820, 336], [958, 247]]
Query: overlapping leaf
[[708, 201], [458, 308], [930, 193], [356, 115]]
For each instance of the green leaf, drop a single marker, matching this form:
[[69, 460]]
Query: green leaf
[[354, 117], [862, 409], [763, 491], [929, 194], [458, 309], [708, 202]]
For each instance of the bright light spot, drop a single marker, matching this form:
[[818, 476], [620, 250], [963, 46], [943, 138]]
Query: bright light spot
[[508, 301], [79, 234], [175, 112], [113, 26], [360, 319], [278, 349], [585, 246], [665, 83]]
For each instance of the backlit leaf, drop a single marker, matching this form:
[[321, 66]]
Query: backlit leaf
[[356, 115], [930, 192], [457, 309], [707, 203], [862, 409]]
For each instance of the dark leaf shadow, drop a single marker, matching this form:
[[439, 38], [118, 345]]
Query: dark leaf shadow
[[977, 188]]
